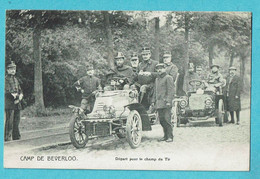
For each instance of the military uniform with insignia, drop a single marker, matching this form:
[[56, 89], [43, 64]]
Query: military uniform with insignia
[[162, 101], [13, 97], [146, 76], [87, 85]]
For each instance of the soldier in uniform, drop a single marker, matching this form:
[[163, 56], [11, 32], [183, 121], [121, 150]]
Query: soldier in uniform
[[232, 94], [87, 85], [162, 101], [146, 75], [215, 80], [121, 70], [13, 97], [171, 69], [134, 62]]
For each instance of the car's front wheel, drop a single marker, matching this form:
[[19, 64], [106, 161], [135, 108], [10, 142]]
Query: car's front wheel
[[77, 132], [134, 129]]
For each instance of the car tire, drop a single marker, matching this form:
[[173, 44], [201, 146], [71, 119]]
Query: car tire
[[77, 132], [134, 129]]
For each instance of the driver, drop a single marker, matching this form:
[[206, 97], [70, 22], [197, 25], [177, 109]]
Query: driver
[[87, 85], [121, 70], [215, 80]]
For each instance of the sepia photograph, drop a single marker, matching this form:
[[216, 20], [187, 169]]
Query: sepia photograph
[[127, 90]]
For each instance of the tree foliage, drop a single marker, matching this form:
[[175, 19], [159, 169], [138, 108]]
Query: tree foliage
[[71, 40]]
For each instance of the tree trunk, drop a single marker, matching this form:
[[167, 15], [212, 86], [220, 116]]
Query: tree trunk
[[157, 34], [242, 70], [38, 87], [211, 50], [231, 58], [109, 40], [186, 58]]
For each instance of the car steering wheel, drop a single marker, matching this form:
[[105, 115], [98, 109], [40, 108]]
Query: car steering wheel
[[195, 83]]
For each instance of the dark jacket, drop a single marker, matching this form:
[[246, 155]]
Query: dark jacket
[[125, 72], [12, 86], [233, 89], [88, 84], [146, 67], [172, 70], [163, 91]]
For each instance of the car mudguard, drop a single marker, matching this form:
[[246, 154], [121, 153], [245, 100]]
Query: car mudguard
[[144, 116]]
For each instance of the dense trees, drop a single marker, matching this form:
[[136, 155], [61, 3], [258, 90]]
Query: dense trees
[[56, 46]]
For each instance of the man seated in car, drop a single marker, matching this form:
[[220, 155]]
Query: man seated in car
[[121, 77], [215, 81]]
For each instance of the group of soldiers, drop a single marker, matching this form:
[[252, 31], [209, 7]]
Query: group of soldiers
[[156, 83]]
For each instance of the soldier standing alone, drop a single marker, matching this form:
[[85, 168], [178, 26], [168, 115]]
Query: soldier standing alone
[[13, 97], [232, 94], [162, 100]]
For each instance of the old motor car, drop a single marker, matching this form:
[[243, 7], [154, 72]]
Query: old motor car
[[115, 112], [199, 104]]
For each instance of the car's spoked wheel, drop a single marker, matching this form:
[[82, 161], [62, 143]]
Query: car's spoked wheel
[[221, 112], [78, 134], [134, 129]]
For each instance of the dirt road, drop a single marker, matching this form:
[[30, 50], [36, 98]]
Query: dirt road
[[197, 146]]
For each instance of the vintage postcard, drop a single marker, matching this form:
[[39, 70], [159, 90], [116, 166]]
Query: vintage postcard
[[130, 90]]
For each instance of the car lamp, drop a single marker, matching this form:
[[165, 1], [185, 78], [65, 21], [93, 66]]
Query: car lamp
[[208, 102], [183, 103]]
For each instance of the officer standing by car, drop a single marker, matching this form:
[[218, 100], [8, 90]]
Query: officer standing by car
[[146, 77], [162, 101], [171, 69], [13, 98], [87, 85], [232, 95]]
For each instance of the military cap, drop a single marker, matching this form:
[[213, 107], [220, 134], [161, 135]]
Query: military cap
[[214, 66], [167, 54], [119, 55], [198, 67], [232, 68], [160, 65], [146, 50], [11, 65], [90, 67], [134, 56]]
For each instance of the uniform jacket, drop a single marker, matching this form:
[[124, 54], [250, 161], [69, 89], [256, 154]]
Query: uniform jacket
[[216, 79], [163, 91], [172, 70], [233, 89], [88, 84], [11, 86], [125, 71], [147, 67]]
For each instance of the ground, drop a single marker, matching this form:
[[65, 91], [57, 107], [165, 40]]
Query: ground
[[197, 146]]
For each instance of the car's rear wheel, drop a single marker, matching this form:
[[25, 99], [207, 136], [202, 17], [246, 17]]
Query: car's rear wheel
[[77, 131], [221, 112], [134, 129]]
